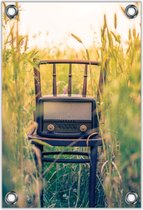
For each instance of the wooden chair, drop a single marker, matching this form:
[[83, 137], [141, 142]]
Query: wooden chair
[[93, 141]]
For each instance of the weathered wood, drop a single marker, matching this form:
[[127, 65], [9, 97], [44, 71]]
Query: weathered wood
[[54, 80], [85, 81], [70, 80], [69, 61], [37, 82]]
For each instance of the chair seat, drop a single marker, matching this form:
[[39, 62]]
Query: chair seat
[[95, 140]]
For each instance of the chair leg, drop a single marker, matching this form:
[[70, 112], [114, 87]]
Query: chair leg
[[92, 177], [40, 172], [41, 175]]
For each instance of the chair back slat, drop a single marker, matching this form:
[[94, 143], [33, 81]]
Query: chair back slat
[[54, 80], [37, 80], [85, 81], [70, 80]]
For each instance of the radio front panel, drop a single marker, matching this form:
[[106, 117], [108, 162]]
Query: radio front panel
[[67, 111], [66, 117]]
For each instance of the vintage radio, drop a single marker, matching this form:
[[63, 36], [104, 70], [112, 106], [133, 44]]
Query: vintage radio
[[66, 117]]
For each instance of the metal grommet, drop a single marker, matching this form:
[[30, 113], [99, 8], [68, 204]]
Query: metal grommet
[[131, 198], [131, 11], [11, 198], [11, 11]]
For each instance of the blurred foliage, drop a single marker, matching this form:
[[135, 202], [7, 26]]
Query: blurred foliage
[[122, 113], [120, 127]]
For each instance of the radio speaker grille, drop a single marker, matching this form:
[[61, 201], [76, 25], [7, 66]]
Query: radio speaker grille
[[61, 127]]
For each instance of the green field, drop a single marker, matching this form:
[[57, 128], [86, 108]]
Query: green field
[[120, 123]]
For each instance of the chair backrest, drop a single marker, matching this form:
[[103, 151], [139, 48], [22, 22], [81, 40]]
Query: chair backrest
[[37, 80]]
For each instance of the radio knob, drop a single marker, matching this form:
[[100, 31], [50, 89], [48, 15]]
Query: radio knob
[[51, 127], [83, 128]]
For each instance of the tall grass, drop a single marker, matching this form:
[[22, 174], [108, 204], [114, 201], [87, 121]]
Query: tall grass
[[119, 160], [121, 109]]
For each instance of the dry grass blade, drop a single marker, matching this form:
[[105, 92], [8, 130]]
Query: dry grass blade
[[115, 21], [77, 38], [123, 10]]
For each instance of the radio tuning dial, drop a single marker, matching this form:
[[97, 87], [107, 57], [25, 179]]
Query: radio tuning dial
[[51, 127], [83, 128]]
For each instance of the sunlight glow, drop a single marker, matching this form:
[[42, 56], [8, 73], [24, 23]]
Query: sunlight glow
[[50, 24]]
